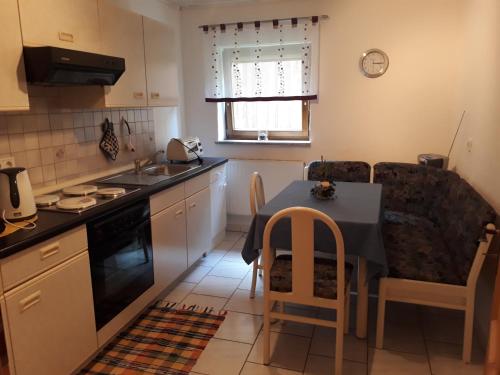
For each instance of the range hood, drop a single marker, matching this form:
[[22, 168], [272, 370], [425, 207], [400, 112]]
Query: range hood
[[52, 66]]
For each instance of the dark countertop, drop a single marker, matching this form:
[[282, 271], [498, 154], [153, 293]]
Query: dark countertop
[[50, 224]]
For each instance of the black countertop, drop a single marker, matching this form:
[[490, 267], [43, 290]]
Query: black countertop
[[50, 224]]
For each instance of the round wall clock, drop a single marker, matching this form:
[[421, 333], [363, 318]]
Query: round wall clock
[[374, 63]]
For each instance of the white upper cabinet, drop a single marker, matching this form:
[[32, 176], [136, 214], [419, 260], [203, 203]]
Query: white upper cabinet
[[161, 64], [122, 36], [13, 91], [70, 24]]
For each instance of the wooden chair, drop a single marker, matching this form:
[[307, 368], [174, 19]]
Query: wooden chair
[[456, 297], [257, 200], [303, 279]]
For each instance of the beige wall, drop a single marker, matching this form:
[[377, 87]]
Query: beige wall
[[408, 111], [480, 97]]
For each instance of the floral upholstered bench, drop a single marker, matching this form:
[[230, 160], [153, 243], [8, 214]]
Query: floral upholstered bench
[[436, 231]]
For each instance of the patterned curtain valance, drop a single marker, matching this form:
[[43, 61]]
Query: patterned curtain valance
[[262, 60]]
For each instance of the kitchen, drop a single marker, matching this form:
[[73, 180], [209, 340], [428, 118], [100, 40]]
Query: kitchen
[[126, 161]]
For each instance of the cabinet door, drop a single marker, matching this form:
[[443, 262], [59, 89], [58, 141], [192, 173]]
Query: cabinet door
[[122, 36], [13, 90], [198, 225], [51, 320], [169, 244], [61, 23], [218, 211], [161, 64]]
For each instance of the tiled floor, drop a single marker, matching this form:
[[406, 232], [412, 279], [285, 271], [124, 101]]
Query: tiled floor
[[418, 341]]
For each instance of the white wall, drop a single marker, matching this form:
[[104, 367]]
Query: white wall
[[408, 111]]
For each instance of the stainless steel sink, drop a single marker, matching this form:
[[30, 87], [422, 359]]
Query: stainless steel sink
[[150, 175]]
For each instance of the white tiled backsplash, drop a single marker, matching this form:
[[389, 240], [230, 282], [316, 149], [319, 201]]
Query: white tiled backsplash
[[56, 147]]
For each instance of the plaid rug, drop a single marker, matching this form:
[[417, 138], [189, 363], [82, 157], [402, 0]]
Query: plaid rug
[[166, 339]]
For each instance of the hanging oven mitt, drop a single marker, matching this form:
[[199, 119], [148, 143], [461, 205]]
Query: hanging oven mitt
[[109, 143]]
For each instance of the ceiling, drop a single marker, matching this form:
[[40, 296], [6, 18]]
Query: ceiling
[[188, 3]]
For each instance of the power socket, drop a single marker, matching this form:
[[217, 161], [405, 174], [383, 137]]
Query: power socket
[[8, 162]]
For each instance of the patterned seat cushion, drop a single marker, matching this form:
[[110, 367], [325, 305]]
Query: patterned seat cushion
[[325, 276], [345, 171], [415, 250]]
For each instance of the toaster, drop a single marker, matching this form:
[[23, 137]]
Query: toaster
[[184, 149]]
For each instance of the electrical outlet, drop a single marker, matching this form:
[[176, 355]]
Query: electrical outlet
[[7, 162], [469, 145]]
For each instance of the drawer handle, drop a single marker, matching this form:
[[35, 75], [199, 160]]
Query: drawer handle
[[30, 301], [138, 95], [179, 213], [66, 37], [155, 95], [192, 205], [49, 250]]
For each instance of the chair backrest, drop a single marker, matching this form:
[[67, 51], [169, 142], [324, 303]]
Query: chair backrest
[[343, 171], [302, 230], [257, 197]]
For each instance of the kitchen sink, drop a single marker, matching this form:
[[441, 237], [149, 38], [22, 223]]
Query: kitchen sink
[[150, 175]]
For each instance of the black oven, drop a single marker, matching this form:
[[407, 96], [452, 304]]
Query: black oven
[[121, 259]]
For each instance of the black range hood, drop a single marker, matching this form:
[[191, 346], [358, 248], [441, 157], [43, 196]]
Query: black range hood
[[52, 66]]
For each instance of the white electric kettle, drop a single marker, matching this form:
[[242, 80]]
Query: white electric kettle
[[16, 196]]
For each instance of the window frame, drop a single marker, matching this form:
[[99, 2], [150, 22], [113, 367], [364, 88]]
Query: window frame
[[302, 135]]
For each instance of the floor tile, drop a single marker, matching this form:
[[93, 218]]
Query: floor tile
[[384, 362], [258, 369], [205, 301], [216, 286], [233, 255], [400, 336], [236, 270], [446, 359], [240, 301], [213, 257], [443, 329], [198, 273], [317, 365], [293, 328], [180, 292], [232, 236], [287, 351], [222, 357], [240, 327], [323, 343], [238, 245]]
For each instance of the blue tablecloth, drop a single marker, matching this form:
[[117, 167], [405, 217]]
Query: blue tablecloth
[[357, 210]]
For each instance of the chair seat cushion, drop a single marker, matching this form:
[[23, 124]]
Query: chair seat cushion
[[325, 276], [415, 250]]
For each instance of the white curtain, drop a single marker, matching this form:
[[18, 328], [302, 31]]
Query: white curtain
[[276, 60]]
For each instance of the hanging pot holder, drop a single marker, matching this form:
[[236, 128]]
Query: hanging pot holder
[[109, 143]]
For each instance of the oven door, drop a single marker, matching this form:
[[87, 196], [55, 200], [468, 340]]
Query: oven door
[[121, 259]]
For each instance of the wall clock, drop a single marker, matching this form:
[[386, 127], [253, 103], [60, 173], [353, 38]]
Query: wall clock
[[374, 63]]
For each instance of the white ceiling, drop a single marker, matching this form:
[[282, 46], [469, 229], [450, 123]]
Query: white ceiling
[[187, 3]]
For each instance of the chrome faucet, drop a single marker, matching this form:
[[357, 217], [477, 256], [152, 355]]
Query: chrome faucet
[[140, 163]]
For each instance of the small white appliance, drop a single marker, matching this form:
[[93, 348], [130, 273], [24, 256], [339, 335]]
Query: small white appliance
[[184, 149], [16, 196]]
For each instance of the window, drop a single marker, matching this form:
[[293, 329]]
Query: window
[[265, 75]]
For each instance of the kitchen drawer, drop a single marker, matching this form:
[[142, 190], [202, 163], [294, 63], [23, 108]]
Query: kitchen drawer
[[166, 198], [26, 264], [197, 184], [218, 174]]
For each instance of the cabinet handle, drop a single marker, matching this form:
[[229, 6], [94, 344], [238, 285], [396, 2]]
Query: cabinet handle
[[155, 95], [66, 37], [138, 95], [178, 213], [192, 205], [49, 250], [30, 301]]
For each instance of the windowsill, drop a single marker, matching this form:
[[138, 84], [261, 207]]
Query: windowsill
[[269, 142]]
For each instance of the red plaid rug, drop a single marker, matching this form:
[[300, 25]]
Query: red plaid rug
[[164, 340]]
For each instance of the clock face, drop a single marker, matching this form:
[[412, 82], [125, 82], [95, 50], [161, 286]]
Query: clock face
[[374, 63]]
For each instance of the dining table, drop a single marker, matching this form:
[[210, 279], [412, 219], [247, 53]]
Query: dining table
[[358, 211]]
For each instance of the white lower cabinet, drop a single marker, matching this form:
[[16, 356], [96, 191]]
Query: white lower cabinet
[[218, 209], [198, 225], [169, 244], [51, 320]]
